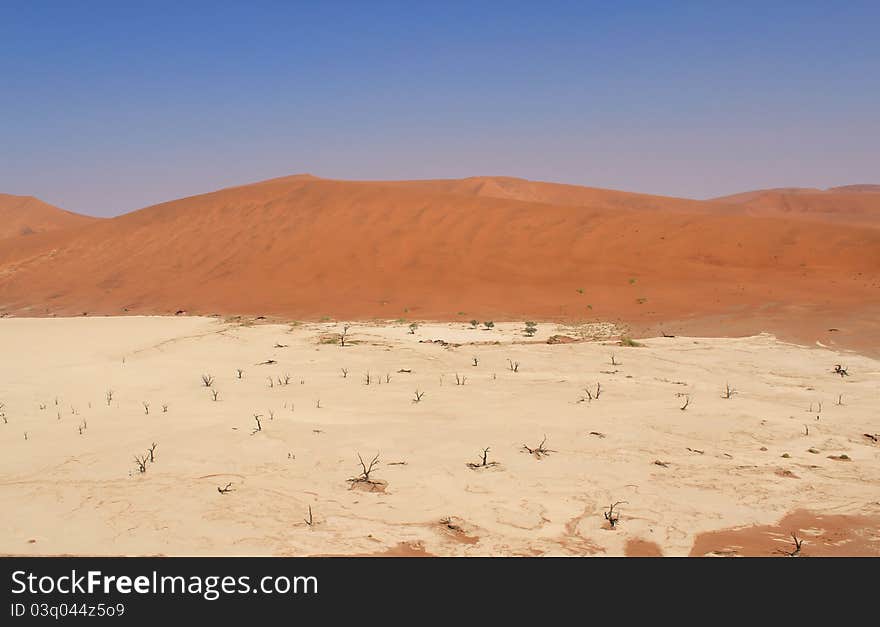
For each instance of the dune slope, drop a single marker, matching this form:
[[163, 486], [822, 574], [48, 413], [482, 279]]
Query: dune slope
[[26, 215], [301, 247]]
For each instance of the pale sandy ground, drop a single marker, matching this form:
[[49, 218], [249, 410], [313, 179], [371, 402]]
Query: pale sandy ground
[[71, 493]]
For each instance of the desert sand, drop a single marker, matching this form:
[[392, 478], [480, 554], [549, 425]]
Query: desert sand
[[302, 247], [794, 449]]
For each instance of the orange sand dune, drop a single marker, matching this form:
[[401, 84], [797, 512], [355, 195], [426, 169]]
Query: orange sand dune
[[26, 215], [852, 204], [302, 247], [556, 194]]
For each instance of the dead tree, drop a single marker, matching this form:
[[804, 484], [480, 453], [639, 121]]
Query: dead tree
[[412, 328], [239, 372], [418, 397], [286, 379], [109, 397], [611, 516], [146, 408], [141, 462], [840, 399], [164, 408], [514, 366], [476, 361], [387, 377], [841, 370], [797, 547], [152, 452], [309, 521], [614, 361], [83, 427], [344, 373], [806, 430], [460, 380], [215, 394], [687, 401], [484, 463], [207, 380], [366, 470], [259, 424], [728, 391], [344, 334], [540, 450], [224, 490], [367, 378], [271, 382]]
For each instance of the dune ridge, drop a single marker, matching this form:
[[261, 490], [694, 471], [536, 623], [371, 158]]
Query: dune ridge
[[26, 215]]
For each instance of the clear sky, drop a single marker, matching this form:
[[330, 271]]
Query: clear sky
[[107, 107]]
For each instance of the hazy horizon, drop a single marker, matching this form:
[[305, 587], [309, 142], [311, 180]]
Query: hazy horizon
[[111, 108]]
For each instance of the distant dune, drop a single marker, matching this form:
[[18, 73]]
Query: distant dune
[[26, 215], [488, 248], [850, 204]]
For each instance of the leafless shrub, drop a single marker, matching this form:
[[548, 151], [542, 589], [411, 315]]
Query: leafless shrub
[[344, 373], [611, 516], [460, 380], [418, 397], [344, 334], [318, 403], [840, 399], [152, 452], [412, 327], [109, 397], [614, 361], [367, 378], [841, 370], [687, 401], [141, 461], [728, 391], [540, 450], [215, 394], [146, 408], [366, 470], [259, 426], [224, 490], [590, 395], [797, 547], [387, 377], [82, 427], [164, 408], [513, 365], [476, 361], [806, 430], [484, 463], [207, 380], [239, 372], [271, 382], [25, 436], [310, 521]]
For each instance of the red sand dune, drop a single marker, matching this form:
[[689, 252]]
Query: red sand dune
[[851, 204], [26, 215], [489, 248]]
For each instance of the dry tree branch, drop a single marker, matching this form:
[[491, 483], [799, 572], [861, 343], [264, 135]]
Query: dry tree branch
[[611, 516]]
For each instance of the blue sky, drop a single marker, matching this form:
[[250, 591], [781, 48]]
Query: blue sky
[[106, 107]]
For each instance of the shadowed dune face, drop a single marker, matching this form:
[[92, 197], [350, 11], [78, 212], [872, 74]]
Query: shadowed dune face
[[488, 247], [25, 215], [823, 535]]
